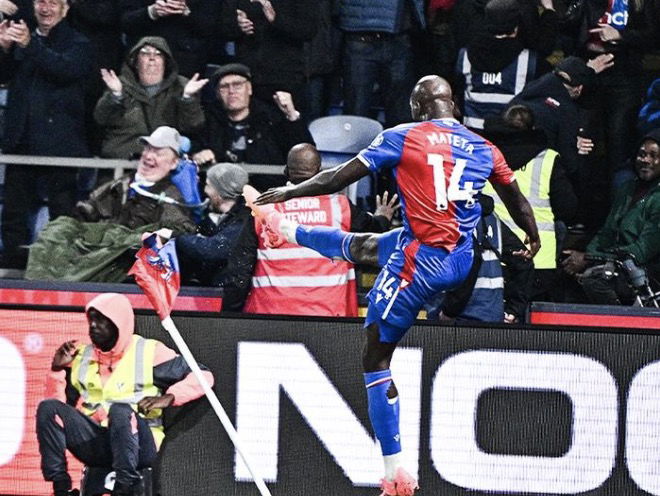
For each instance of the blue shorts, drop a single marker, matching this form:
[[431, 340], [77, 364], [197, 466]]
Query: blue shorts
[[413, 272]]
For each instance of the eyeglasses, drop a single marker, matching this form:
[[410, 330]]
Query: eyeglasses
[[150, 52], [234, 85]]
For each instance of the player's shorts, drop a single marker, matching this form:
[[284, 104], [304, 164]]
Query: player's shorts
[[412, 274]]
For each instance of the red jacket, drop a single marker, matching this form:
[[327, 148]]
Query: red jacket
[[295, 280]]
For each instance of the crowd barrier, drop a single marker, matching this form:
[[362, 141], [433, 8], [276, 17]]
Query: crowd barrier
[[493, 409], [118, 166], [77, 294]]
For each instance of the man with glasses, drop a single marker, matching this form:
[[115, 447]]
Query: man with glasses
[[147, 94], [242, 129]]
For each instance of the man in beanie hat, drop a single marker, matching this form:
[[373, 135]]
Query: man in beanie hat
[[243, 129], [631, 229], [224, 250], [552, 99]]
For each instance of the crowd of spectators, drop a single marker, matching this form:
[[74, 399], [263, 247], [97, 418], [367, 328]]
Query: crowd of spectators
[[557, 84]]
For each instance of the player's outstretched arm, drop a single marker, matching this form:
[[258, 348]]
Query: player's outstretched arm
[[325, 182], [522, 214]]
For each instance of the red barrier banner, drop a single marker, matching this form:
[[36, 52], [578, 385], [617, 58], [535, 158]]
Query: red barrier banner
[[28, 341]]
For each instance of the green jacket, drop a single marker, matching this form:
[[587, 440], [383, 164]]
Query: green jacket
[[114, 202], [136, 114], [632, 228]]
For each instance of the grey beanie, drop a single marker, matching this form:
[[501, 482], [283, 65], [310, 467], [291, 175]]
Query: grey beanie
[[227, 179]]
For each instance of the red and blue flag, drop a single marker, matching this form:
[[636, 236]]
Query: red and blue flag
[[156, 271]]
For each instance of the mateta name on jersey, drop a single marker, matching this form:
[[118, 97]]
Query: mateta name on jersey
[[440, 138]]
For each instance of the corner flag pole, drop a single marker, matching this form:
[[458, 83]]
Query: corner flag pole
[[168, 325], [156, 271]]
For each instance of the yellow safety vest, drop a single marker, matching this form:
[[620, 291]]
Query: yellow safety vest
[[130, 381], [534, 183]]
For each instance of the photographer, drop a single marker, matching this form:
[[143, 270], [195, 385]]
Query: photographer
[[632, 227]]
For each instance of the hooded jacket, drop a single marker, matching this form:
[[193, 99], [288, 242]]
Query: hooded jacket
[[520, 147], [137, 114], [171, 374], [557, 114]]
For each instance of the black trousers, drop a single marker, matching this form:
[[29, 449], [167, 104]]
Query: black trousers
[[24, 187], [116, 446]]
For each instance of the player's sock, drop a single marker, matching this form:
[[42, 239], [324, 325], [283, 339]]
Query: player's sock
[[383, 411], [288, 229], [392, 463], [328, 241]]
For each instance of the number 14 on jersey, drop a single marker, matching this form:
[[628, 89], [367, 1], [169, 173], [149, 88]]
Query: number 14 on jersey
[[450, 193]]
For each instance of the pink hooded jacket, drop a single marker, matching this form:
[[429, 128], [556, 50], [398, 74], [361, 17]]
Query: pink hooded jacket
[[118, 309]]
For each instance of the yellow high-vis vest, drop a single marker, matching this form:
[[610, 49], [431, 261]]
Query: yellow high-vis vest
[[131, 380], [534, 183]]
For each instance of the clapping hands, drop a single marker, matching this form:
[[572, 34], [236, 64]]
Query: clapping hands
[[194, 85], [14, 32], [111, 80]]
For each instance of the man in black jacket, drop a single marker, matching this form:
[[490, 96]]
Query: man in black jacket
[[269, 39], [242, 129], [45, 116], [224, 250]]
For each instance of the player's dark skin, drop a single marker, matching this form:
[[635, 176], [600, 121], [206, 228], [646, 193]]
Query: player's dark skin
[[431, 99], [104, 334]]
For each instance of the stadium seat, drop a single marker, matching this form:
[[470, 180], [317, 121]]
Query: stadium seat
[[95, 480], [338, 138], [344, 133]]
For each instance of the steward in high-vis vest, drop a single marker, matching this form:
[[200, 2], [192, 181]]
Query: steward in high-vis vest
[[295, 280], [534, 182], [106, 398], [495, 66]]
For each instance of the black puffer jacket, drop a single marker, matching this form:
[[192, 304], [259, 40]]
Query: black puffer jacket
[[274, 52], [45, 112], [222, 255]]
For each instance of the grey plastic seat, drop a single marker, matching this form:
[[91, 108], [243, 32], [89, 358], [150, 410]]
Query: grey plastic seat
[[344, 133], [340, 137]]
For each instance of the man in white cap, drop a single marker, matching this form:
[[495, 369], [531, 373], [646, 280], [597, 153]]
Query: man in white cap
[[133, 200], [93, 245]]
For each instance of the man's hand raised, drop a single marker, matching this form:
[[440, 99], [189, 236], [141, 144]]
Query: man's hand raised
[[194, 85], [274, 195], [64, 356]]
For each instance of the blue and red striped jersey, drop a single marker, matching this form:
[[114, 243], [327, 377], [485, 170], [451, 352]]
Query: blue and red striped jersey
[[439, 167]]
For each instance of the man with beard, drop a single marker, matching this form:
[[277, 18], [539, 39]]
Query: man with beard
[[102, 406], [631, 228]]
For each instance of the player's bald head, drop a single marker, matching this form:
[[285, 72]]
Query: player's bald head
[[431, 98]]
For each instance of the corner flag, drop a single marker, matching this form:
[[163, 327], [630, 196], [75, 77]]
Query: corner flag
[[156, 271]]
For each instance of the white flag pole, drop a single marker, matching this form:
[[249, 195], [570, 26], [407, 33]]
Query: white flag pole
[[168, 325]]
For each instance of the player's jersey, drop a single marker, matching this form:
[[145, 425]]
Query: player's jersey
[[439, 167]]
